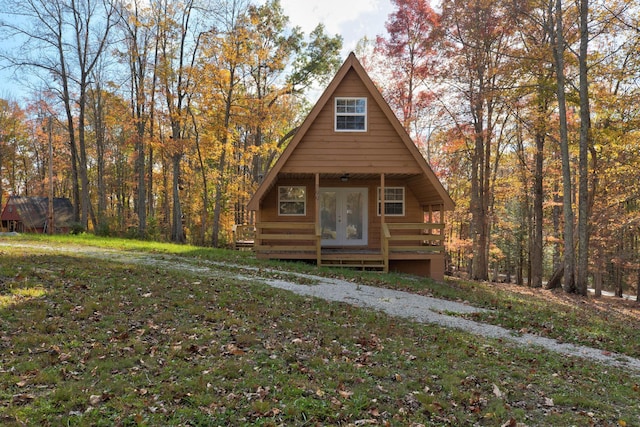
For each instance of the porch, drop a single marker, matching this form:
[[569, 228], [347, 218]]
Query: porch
[[405, 247]]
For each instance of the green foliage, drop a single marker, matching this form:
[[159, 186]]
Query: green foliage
[[77, 228]]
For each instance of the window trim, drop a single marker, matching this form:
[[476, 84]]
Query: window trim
[[386, 201], [354, 114], [280, 201]]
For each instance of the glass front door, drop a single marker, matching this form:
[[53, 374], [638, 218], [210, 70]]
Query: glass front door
[[343, 216]]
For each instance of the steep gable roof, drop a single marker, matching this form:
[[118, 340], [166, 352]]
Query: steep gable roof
[[351, 63], [34, 211]]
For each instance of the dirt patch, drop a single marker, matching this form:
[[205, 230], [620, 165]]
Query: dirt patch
[[606, 306]]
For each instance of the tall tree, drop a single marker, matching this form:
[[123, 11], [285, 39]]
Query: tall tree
[[254, 66], [567, 187], [478, 37], [12, 133], [225, 49], [138, 27], [65, 39], [583, 167], [536, 70], [410, 49], [178, 32]]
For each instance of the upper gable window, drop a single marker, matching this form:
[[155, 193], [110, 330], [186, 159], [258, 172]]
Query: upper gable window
[[351, 114]]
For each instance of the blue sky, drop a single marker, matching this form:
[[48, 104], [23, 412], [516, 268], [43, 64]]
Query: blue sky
[[352, 19]]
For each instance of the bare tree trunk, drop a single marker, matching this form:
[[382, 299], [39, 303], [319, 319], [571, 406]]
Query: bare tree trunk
[[166, 205], [66, 95], [638, 285], [98, 107], [618, 280], [597, 283], [177, 232], [555, 281], [141, 194], [555, 216], [82, 163], [538, 212], [569, 252], [150, 194], [480, 267], [582, 271], [205, 182], [220, 187]]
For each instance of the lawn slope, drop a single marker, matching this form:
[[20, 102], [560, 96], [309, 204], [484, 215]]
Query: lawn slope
[[85, 341]]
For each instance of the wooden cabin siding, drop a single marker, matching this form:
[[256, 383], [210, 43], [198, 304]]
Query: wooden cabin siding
[[269, 211], [378, 150], [414, 212]]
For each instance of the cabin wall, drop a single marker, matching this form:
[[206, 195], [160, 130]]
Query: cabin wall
[[379, 148], [413, 211], [269, 206], [433, 267], [10, 213]]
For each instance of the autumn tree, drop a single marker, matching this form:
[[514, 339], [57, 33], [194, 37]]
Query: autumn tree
[[614, 153], [178, 33], [282, 64], [13, 134], [65, 40], [534, 77], [410, 56], [222, 74], [139, 29], [478, 36], [255, 66]]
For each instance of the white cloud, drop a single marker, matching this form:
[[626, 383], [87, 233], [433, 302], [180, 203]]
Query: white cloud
[[333, 13], [352, 19]]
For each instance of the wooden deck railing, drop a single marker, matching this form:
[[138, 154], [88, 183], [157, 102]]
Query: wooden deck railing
[[243, 236], [412, 237], [302, 240], [291, 239]]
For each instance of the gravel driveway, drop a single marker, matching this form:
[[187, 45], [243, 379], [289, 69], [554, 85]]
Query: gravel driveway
[[395, 303]]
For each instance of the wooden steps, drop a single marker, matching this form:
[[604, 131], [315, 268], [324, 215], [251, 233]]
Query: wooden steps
[[362, 261]]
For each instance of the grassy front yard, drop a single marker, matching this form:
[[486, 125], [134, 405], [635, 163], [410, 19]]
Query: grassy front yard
[[85, 341]]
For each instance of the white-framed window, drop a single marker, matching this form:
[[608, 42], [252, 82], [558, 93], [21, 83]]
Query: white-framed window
[[351, 114], [393, 201], [292, 200]]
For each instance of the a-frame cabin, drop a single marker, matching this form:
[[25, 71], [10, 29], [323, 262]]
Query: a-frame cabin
[[321, 201]]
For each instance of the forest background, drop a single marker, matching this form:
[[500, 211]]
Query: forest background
[[164, 116]]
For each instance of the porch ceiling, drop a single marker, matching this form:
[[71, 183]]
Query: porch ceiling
[[420, 185], [352, 176]]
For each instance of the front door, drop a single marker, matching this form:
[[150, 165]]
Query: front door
[[343, 216]]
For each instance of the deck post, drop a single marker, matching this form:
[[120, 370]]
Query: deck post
[[382, 224], [257, 239], [317, 221]]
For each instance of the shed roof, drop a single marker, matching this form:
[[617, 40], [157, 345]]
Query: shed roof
[[427, 177]]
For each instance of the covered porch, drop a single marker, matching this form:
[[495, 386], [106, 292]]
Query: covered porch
[[346, 225]]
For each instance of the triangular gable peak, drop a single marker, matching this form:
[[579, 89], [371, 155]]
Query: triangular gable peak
[[385, 147]]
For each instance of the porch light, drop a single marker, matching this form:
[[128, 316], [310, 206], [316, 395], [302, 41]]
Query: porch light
[[344, 177]]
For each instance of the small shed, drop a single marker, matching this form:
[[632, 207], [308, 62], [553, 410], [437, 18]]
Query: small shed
[[352, 188], [31, 215]]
